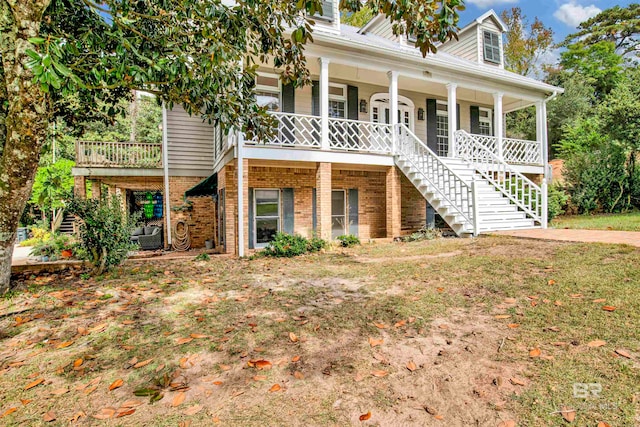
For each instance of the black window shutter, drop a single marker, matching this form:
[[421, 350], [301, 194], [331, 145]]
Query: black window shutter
[[251, 220], [288, 98], [315, 98], [353, 211], [386, 115], [288, 106], [352, 102], [493, 125], [314, 218], [432, 130], [457, 116], [287, 209], [474, 112]]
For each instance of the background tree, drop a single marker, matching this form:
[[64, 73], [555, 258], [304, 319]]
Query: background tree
[[186, 52], [526, 43], [358, 19], [53, 186], [619, 25]]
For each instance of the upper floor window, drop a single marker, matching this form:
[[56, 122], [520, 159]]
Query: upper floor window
[[486, 122], [491, 46], [337, 100], [327, 12], [267, 91]]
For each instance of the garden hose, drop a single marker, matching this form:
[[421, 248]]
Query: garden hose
[[181, 239]]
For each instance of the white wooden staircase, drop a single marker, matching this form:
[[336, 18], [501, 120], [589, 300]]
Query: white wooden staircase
[[473, 192]]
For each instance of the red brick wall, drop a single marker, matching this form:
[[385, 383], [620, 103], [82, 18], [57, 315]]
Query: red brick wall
[[413, 208], [201, 219]]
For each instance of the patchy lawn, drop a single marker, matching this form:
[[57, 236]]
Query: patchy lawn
[[447, 332], [621, 222]]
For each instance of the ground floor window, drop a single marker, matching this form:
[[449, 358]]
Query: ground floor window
[[338, 213], [485, 124], [267, 215]]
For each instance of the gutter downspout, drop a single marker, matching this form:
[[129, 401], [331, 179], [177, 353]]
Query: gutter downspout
[[165, 164]]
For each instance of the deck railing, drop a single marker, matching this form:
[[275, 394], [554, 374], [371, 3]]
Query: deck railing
[[118, 154], [355, 135], [514, 151]]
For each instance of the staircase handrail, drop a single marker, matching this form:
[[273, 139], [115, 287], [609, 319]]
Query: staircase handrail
[[467, 212], [528, 195]]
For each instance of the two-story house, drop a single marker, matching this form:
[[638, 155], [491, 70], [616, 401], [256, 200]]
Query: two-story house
[[382, 141]]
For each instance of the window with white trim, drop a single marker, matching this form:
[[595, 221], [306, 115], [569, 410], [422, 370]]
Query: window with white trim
[[491, 44], [442, 127], [266, 205], [337, 100], [338, 213], [267, 91], [485, 126]]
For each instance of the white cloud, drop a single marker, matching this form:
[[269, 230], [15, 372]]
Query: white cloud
[[485, 4], [574, 14]]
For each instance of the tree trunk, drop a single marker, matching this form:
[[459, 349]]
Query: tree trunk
[[26, 121]]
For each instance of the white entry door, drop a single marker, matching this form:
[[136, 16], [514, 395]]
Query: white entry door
[[380, 110]]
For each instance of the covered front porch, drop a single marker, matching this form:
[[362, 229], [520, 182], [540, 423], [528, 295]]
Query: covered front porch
[[348, 110]]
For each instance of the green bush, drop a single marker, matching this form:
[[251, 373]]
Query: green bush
[[52, 246], [348, 240], [202, 257], [556, 201], [105, 231], [425, 233], [286, 246]]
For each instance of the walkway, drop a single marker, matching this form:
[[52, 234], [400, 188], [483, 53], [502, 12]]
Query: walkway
[[586, 236]]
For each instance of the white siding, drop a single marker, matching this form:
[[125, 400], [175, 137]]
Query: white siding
[[190, 144], [384, 29], [466, 47]]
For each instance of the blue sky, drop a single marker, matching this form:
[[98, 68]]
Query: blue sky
[[561, 15]]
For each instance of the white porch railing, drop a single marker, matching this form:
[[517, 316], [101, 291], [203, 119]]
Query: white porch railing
[[514, 151], [295, 130], [449, 186], [520, 151], [360, 136], [118, 154], [511, 183]]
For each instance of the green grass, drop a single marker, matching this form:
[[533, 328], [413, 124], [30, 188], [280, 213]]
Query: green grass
[[332, 302], [621, 222]]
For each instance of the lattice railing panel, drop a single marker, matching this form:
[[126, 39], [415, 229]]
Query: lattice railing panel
[[360, 136]]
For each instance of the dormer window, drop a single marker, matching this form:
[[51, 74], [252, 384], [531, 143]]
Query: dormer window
[[491, 47], [327, 12]]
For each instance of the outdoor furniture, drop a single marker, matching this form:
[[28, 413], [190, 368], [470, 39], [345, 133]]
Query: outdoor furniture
[[150, 240]]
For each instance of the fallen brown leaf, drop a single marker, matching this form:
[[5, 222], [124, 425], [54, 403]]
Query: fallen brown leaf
[[116, 384], [60, 391], [293, 337], [77, 416], [365, 417], [295, 359], [49, 416], [198, 336], [262, 365], [513, 325], [603, 424], [64, 344], [9, 412], [180, 341], [596, 343], [568, 414], [535, 352], [507, 423], [411, 366], [178, 399], [517, 381], [275, 387], [623, 353], [193, 410], [380, 325], [379, 373], [77, 363], [374, 342], [125, 413], [260, 378], [608, 308], [600, 300], [143, 363], [34, 383], [502, 316], [105, 413], [298, 375], [400, 323]]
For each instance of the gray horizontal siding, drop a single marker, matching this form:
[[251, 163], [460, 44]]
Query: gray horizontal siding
[[189, 143]]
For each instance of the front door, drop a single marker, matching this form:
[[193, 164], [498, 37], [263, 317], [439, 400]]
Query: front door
[[380, 113]]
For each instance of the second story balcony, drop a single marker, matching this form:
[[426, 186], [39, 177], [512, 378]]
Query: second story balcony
[[118, 155]]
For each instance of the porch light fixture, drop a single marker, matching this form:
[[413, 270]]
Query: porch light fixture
[[363, 105], [421, 114]]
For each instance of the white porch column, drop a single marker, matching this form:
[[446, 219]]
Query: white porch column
[[393, 105], [324, 102], [498, 121], [165, 166], [452, 111]]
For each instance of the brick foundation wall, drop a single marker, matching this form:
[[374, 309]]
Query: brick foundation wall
[[371, 185], [414, 215], [201, 219]]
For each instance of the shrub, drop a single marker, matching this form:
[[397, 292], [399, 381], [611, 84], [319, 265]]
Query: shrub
[[105, 231], [39, 233], [202, 257], [425, 233], [287, 246], [348, 240], [556, 201]]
